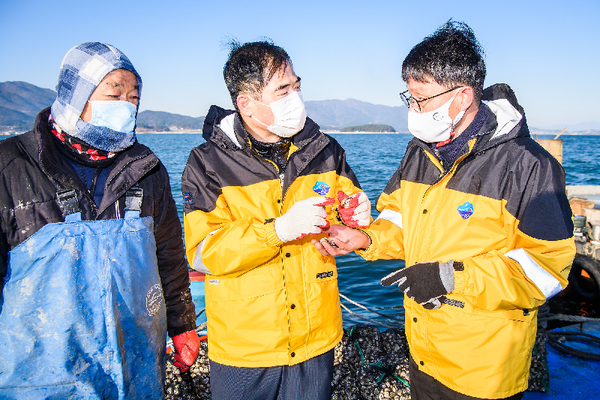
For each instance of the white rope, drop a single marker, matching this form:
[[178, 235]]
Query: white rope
[[368, 309], [370, 320]]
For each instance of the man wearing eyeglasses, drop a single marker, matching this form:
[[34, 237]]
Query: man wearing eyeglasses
[[479, 213]]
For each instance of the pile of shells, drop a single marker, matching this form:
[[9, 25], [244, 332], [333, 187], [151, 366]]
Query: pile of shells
[[539, 377], [192, 384], [369, 365]]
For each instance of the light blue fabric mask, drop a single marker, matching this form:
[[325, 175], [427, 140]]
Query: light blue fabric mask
[[111, 127], [117, 115]]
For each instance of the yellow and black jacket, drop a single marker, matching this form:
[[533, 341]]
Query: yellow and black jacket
[[268, 303], [500, 209]]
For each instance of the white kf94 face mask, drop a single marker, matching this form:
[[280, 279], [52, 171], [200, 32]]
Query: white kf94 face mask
[[433, 126], [289, 113]]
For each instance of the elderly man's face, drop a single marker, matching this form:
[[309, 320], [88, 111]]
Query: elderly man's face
[[118, 85]]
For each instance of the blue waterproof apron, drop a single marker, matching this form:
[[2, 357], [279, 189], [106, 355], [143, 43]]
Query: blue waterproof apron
[[82, 313]]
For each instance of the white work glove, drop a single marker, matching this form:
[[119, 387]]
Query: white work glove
[[305, 217], [355, 210]]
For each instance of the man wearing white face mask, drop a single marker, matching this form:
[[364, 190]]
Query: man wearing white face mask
[[262, 186], [479, 213], [93, 274]]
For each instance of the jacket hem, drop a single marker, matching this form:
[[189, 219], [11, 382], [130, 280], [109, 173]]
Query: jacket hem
[[266, 364]]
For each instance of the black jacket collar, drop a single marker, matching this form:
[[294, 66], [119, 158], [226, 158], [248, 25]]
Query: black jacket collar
[[129, 167]]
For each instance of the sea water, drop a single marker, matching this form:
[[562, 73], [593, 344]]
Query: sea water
[[374, 158]]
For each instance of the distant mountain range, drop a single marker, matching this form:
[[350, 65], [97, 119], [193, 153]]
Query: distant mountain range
[[164, 121], [20, 102], [337, 114]]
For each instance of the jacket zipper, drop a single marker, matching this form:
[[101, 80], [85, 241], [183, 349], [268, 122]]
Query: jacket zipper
[[444, 174], [111, 179]]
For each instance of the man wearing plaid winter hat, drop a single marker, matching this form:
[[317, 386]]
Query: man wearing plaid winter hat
[[91, 256]]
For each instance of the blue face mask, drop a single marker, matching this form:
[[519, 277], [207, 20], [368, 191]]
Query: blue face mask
[[116, 115], [111, 127]]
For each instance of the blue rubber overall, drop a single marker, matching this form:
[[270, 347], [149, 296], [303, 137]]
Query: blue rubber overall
[[82, 313]]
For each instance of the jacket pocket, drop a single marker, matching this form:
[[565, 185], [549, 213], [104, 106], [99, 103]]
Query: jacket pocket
[[257, 282]]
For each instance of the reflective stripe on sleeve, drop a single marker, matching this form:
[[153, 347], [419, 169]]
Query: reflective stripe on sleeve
[[198, 265], [547, 283], [392, 216]]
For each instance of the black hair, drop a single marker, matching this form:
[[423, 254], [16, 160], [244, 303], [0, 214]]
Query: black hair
[[451, 56], [251, 66]]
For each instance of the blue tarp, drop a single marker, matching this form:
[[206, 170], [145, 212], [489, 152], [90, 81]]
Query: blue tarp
[[197, 289], [572, 377]]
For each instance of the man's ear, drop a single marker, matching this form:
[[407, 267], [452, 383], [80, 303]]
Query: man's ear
[[466, 97], [243, 104]]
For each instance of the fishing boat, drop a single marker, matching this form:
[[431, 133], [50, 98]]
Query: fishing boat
[[585, 273], [584, 277]]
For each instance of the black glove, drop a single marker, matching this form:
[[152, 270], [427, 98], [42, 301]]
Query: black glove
[[425, 283]]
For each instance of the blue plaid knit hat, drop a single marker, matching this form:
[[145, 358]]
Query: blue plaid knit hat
[[82, 70]]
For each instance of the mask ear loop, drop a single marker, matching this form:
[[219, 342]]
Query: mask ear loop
[[256, 119], [260, 122], [454, 122]]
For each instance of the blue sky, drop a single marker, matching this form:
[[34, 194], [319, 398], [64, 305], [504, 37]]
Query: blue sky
[[547, 51]]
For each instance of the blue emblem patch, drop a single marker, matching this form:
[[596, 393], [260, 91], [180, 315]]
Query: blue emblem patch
[[465, 210], [187, 198], [321, 188]]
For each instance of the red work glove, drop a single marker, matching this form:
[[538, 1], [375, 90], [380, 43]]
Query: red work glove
[[355, 210], [187, 346]]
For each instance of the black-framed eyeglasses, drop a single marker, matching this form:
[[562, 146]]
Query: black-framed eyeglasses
[[411, 102]]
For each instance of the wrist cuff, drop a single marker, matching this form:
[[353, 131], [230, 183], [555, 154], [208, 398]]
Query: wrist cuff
[[447, 275], [272, 238], [369, 253]]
